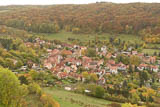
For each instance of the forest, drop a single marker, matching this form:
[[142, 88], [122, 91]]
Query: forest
[[98, 17]]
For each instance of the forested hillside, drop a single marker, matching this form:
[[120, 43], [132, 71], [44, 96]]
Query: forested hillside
[[88, 18]]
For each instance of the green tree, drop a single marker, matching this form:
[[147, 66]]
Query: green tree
[[99, 92], [93, 77], [34, 88], [86, 76], [91, 52], [144, 76], [135, 97], [11, 92], [34, 74], [135, 60]]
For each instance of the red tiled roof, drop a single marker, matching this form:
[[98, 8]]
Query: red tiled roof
[[111, 62], [66, 52], [55, 52]]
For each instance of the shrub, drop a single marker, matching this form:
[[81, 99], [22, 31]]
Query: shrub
[[119, 98], [48, 101], [99, 92], [114, 105], [153, 105], [34, 88]]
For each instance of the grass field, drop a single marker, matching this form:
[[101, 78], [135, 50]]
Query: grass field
[[65, 99], [151, 51], [63, 36]]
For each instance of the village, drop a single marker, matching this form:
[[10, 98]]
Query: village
[[67, 60]]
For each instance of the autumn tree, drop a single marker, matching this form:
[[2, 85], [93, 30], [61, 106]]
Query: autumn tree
[[135, 60], [12, 92]]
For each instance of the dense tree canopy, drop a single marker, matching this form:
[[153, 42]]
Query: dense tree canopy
[[98, 17], [11, 92]]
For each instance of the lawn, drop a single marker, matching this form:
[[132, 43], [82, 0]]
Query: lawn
[[65, 98]]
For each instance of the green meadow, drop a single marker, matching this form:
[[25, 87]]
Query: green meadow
[[65, 98], [63, 36]]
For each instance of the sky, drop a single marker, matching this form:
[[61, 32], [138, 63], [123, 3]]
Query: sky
[[49, 2]]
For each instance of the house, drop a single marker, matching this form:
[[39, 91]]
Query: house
[[86, 66], [113, 69], [109, 55], [55, 52], [62, 75], [104, 48], [121, 66], [78, 62], [154, 68], [107, 66], [49, 50], [76, 76], [86, 59], [152, 59], [58, 46], [92, 65], [67, 45], [112, 62], [23, 68], [76, 53], [54, 60], [29, 63], [35, 66], [67, 69], [146, 60], [48, 65], [142, 67], [66, 52], [134, 52], [140, 55], [74, 67], [100, 62], [83, 48], [76, 47], [69, 61], [114, 55], [125, 53]]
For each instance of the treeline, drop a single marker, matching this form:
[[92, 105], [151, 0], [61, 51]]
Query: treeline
[[99, 17], [37, 27]]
